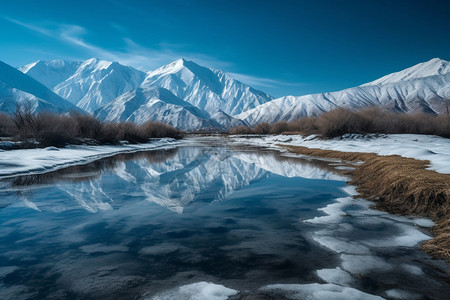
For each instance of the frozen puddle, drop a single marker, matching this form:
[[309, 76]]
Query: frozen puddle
[[205, 221]]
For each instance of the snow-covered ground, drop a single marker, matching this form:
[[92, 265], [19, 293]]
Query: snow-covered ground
[[423, 147], [34, 161]]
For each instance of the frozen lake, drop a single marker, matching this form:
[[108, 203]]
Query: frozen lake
[[206, 221]]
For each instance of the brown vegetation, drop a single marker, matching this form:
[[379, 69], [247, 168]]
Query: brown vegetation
[[402, 186], [370, 120], [49, 129]]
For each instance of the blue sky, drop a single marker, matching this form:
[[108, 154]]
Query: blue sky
[[282, 47]]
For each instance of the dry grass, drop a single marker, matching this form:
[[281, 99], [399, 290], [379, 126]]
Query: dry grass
[[402, 186]]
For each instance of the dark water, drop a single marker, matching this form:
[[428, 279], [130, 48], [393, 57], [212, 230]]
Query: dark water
[[140, 224]]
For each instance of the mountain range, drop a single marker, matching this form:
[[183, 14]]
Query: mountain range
[[192, 97]]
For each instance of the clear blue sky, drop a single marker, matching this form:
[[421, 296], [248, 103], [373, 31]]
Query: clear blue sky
[[282, 47]]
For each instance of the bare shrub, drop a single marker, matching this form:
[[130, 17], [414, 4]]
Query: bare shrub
[[159, 130], [109, 133], [241, 130], [262, 128], [278, 127], [24, 120], [340, 121], [7, 126], [369, 120], [54, 130], [88, 126]]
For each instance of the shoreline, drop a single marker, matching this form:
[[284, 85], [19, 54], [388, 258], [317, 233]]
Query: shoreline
[[42, 160], [398, 185]]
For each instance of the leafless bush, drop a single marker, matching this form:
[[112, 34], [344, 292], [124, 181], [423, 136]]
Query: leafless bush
[[51, 129], [88, 126], [7, 126], [370, 120], [159, 130], [241, 130], [262, 128], [24, 120], [279, 127], [54, 130]]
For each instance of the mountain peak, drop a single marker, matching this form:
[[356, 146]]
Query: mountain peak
[[435, 66], [172, 68], [96, 63]]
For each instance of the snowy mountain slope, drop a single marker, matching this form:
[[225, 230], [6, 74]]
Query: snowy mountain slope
[[205, 88], [227, 121], [15, 86], [98, 82], [435, 66], [427, 94], [155, 104], [50, 73], [89, 84]]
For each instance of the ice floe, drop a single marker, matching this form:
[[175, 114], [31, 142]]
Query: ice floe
[[315, 291], [197, 291]]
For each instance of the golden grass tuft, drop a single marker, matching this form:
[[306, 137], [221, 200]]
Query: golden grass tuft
[[402, 186]]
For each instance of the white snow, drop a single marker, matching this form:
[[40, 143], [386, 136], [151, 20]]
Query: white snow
[[364, 264], [432, 67], [197, 291], [155, 104], [401, 294], [423, 147], [336, 276], [17, 87], [205, 88], [26, 161], [315, 291]]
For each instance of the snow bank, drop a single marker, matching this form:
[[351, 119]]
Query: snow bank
[[26, 161], [424, 147]]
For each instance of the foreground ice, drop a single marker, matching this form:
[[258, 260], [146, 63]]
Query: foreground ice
[[423, 147], [197, 291], [26, 161], [316, 291]]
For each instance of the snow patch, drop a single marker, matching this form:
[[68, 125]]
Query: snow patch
[[315, 291], [197, 291]]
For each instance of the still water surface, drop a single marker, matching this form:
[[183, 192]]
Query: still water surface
[[139, 225]]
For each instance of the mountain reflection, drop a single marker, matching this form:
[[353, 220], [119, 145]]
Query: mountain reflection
[[170, 178]]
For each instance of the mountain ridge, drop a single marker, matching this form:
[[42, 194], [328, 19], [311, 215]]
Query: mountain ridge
[[212, 98]]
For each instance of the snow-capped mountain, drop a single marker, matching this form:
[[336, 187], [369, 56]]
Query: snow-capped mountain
[[17, 87], [424, 87], [432, 67], [50, 73], [226, 121], [205, 98], [206, 88], [189, 96], [90, 84], [156, 104]]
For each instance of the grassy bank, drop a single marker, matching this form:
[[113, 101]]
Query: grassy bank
[[402, 186]]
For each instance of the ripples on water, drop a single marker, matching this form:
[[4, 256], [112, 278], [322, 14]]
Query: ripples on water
[[144, 224]]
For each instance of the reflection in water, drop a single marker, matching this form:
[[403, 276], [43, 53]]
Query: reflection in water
[[170, 178], [141, 224]]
